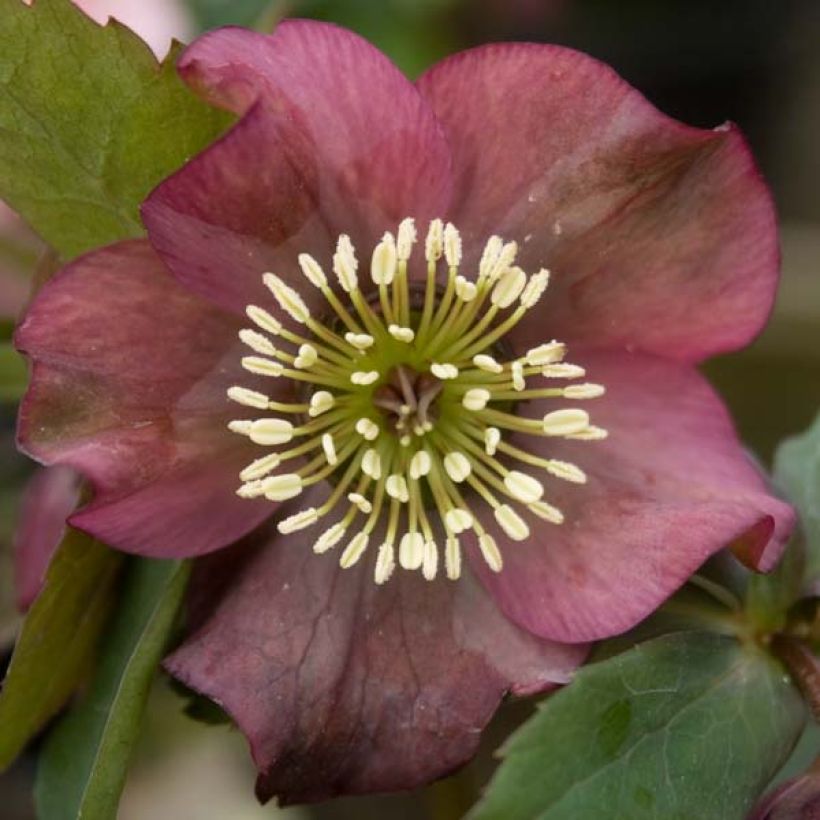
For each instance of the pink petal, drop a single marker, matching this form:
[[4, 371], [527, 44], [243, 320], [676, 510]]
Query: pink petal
[[50, 497], [660, 237], [343, 687], [128, 387], [668, 488], [334, 139]]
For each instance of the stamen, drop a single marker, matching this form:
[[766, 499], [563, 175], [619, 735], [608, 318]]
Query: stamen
[[429, 413]]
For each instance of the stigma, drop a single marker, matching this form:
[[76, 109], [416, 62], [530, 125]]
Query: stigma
[[409, 405]]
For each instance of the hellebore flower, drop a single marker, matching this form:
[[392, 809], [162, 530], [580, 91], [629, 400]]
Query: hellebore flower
[[492, 461]]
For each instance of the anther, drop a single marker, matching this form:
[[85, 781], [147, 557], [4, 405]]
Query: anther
[[329, 449], [329, 538], [282, 487], [545, 354], [523, 487], [383, 262], [320, 402], [257, 342], [565, 422], [361, 341], [289, 300], [476, 398], [444, 370], [354, 550], [248, 398], [401, 334], [345, 264], [362, 377], [367, 428], [299, 521], [270, 432], [411, 550], [458, 466]]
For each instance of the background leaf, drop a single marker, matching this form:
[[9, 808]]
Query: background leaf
[[797, 471], [689, 725], [58, 639], [89, 123], [83, 764], [13, 373]]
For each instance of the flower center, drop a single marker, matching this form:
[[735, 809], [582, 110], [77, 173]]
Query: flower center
[[407, 406], [408, 400]]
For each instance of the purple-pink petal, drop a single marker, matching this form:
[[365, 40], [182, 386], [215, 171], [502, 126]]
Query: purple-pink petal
[[50, 497], [334, 139], [342, 686], [128, 386], [668, 488], [660, 237]]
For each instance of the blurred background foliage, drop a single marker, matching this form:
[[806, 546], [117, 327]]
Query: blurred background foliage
[[755, 62]]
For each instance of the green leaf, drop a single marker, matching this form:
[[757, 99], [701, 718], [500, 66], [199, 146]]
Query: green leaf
[[797, 471], [689, 725], [83, 765], [13, 373], [89, 123], [58, 639]]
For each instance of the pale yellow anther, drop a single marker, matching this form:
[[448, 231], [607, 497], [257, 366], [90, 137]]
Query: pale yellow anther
[[401, 334], [591, 433], [458, 519], [420, 464], [361, 341], [535, 288], [458, 466], [364, 377], [298, 521], [476, 398], [396, 486], [452, 558], [523, 487], [465, 289], [434, 244], [248, 398], [546, 511], [372, 464], [492, 438], [354, 550], [271, 432], [565, 422], [261, 318], [260, 468], [567, 471], [282, 487], [563, 370], [452, 245], [308, 356], [444, 370], [385, 563], [405, 238], [320, 402], [257, 341], [312, 270], [429, 564], [411, 550], [584, 391], [489, 256], [508, 288], [251, 489], [241, 426], [361, 503], [367, 429], [487, 363], [345, 264], [262, 367], [490, 552], [546, 354], [511, 522], [517, 373], [329, 538], [384, 260], [329, 447], [289, 300], [503, 262]]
